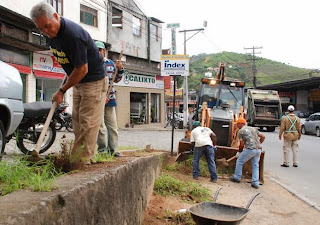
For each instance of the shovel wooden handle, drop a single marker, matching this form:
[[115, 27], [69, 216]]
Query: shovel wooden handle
[[45, 127], [46, 124], [114, 77], [232, 158]]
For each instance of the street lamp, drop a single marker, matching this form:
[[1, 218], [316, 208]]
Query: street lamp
[[185, 78]]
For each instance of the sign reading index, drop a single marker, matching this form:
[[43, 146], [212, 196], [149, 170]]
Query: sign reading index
[[176, 65]]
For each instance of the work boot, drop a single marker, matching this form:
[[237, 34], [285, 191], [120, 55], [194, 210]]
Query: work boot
[[284, 165], [105, 150], [234, 180], [117, 154]]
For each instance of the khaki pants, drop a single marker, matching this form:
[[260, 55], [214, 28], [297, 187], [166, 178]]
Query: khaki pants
[[87, 115], [110, 122], [290, 146]]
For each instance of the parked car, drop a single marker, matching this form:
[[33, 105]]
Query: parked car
[[312, 125], [11, 105], [302, 114]]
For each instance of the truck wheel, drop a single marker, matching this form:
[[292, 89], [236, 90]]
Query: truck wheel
[[303, 130], [271, 129], [3, 140], [318, 132]]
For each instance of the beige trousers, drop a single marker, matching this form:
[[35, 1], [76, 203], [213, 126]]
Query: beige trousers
[[110, 122], [87, 115], [290, 146]]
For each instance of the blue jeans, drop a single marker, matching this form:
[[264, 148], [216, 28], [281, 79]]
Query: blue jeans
[[208, 151], [245, 155]]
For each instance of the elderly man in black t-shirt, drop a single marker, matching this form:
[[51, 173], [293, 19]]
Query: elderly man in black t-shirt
[[77, 53]]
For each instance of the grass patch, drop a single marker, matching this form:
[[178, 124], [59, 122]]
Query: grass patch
[[20, 174], [168, 185], [178, 218], [102, 157]]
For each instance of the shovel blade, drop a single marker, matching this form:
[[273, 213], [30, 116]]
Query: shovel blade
[[183, 156]]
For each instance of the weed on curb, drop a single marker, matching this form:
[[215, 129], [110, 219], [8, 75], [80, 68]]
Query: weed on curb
[[20, 174]]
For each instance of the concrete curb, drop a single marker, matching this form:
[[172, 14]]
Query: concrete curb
[[301, 197], [93, 197]]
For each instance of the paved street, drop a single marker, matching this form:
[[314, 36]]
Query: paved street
[[304, 179], [137, 137]]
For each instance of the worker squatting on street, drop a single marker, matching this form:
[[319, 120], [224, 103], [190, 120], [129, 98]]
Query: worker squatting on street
[[110, 116], [78, 55], [291, 130], [204, 141], [249, 148]]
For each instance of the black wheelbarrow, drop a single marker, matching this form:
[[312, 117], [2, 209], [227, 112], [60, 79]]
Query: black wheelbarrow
[[212, 213]]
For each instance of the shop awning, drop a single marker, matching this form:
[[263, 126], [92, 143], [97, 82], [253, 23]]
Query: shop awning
[[22, 69], [50, 75]]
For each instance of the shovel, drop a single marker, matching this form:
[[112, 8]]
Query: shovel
[[35, 152], [225, 162], [183, 156]]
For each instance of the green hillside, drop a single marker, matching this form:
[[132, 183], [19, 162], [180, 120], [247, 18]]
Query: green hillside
[[238, 67]]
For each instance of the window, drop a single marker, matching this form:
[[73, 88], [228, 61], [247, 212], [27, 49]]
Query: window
[[136, 26], [154, 32], [88, 16], [57, 5], [116, 18]]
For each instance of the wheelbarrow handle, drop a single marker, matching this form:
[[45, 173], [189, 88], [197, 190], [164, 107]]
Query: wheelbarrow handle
[[216, 194], [251, 200]]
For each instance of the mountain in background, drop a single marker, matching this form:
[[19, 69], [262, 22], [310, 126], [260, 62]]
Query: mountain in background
[[238, 67]]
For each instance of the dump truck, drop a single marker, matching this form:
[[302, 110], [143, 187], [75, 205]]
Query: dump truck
[[220, 104], [263, 109]]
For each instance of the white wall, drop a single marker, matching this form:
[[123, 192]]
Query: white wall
[[124, 39]]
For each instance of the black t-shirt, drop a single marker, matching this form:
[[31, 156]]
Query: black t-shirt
[[73, 47]]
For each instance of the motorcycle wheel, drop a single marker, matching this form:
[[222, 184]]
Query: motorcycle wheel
[[26, 142], [69, 126]]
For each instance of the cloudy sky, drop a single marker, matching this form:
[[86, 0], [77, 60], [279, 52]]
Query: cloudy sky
[[288, 30]]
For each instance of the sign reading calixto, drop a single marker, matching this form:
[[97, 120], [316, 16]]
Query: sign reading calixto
[[176, 65]]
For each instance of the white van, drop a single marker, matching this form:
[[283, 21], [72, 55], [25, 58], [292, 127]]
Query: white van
[[11, 105]]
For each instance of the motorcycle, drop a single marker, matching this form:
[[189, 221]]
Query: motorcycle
[[62, 118], [177, 121], [29, 130]]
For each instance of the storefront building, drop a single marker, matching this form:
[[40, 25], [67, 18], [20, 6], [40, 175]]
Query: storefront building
[[140, 99], [48, 77]]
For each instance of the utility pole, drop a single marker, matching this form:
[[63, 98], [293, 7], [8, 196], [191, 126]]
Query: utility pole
[[185, 78], [173, 27], [254, 67]]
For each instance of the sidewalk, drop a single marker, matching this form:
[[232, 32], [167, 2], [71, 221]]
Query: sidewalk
[[147, 127]]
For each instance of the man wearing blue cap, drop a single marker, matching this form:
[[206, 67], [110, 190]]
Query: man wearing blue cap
[[203, 140]]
